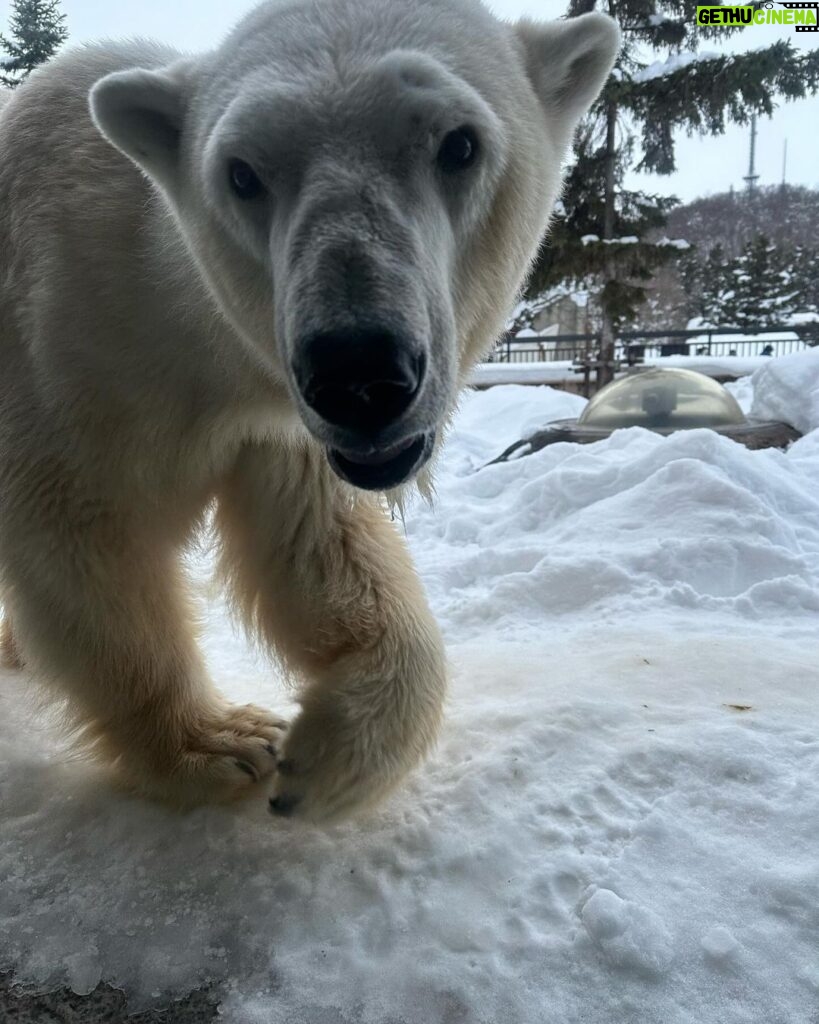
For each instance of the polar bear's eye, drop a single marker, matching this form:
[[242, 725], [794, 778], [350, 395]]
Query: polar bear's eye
[[458, 151], [243, 180]]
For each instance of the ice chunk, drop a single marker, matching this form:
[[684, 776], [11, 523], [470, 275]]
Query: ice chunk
[[84, 971], [629, 935], [719, 943]]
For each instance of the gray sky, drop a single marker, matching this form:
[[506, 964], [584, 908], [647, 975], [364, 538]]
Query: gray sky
[[705, 165]]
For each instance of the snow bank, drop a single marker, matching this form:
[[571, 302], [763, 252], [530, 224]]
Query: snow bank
[[631, 522], [617, 826], [787, 389]]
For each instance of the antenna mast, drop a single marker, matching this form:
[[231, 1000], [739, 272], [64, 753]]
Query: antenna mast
[[752, 177]]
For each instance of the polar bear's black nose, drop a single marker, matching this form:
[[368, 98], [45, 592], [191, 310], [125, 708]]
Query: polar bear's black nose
[[361, 381]]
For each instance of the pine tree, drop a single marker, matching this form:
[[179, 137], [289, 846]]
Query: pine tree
[[708, 282], [762, 286], [764, 292], [694, 286], [806, 274], [37, 30], [632, 125]]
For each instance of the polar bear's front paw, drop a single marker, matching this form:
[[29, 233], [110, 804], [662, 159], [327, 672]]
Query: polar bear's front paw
[[327, 772], [232, 749]]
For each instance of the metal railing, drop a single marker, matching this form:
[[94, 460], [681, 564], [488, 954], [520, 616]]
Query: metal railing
[[635, 346]]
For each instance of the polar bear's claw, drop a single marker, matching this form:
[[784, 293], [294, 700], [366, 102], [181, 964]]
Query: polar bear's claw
[[248, 769], [283, 806]]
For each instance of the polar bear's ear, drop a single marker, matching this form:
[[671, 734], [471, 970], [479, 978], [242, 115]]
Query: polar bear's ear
[[569, 61], [141, 112]]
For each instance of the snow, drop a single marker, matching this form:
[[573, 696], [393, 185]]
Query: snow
[[547, 371], [674, 243], [628, 935], [618, 824], [538, 372], [787, 389], [743, 391], [674, 62], [625, 240]]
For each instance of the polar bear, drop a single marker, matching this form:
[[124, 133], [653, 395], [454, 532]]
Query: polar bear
[[254, 281]]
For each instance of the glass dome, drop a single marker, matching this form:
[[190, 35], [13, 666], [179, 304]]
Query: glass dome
[[664, 401]]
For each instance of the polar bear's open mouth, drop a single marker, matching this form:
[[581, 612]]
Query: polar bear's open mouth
[[382, 470]]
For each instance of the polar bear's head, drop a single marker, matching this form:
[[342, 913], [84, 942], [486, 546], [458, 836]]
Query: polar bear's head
[[363, 185]]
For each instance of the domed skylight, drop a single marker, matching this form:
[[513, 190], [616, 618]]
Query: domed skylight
[[662, 400]]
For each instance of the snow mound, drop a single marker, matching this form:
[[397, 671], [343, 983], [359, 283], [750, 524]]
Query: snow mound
[[787, 389], [693, 521]]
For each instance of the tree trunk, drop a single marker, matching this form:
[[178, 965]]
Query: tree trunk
[[605, 369]]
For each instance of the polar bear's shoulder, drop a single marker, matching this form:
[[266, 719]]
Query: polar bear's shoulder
[[86, 63], [56, 169], [57, 93], [46, 124]]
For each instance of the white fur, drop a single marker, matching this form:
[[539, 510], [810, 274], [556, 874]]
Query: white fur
[[147, 323]]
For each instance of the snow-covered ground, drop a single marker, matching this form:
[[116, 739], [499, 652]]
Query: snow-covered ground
[[619, 825]]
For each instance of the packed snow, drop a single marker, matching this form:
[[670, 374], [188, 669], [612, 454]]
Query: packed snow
[[618, 825]]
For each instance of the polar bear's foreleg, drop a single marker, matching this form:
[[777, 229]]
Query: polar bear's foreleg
[[325, 579], [101, 615]]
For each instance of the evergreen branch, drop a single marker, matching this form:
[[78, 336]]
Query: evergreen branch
[[705, 95]]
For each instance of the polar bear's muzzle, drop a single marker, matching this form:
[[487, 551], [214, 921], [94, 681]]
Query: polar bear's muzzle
[[366, 328]]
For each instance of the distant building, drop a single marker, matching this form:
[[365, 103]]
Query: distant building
[[564, 314]]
